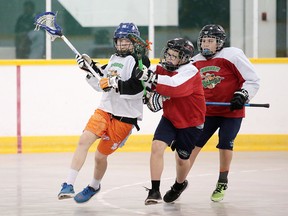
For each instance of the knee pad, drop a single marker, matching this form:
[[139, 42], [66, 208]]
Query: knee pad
[[224, 146], [183, 154]]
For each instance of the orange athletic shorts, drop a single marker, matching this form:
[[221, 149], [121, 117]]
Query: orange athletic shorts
[[113, 132]]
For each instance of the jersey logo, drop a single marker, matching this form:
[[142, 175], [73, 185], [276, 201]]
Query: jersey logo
[[210, 80], [117, 64], [112, 73], [209, 68], [105, 137], [114, 146]]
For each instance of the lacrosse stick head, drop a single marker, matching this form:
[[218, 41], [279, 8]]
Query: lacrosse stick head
[[141, 47], [47, 21]]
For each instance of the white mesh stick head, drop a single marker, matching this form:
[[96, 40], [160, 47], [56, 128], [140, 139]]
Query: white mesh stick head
[[47, 21]]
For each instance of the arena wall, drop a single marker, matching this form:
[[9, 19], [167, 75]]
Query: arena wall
[[45, 105]]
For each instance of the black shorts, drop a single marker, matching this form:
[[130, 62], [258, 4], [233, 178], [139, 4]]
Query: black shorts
[[228, 130], [183, 140]]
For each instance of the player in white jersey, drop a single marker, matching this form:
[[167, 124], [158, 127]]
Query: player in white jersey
[[119, 110], [227, 76]]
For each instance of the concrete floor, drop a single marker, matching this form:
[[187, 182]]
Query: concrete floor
[[258, 185]]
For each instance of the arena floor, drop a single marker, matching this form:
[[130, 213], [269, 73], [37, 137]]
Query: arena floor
[[258, 186]]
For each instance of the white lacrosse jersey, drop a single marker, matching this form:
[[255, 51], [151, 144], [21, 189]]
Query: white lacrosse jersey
[[127, 100]]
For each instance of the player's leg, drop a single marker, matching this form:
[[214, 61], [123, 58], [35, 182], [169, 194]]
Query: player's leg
[[165, 133], [180, 184], [157, 159], [156, 168], [94, 187], [227, 133], [194, 155], [94, 129], [184, 144], [79, 157], [210, 126], [116, 134]]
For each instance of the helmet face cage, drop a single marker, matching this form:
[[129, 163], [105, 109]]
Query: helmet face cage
[[183, 47], [212, 31], [122, 31]]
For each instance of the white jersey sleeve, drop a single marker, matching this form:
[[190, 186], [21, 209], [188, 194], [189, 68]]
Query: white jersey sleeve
[[245, 67]]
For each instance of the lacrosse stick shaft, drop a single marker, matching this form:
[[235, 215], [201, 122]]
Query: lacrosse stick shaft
[[77, 53], [228, 104], [140, 64]]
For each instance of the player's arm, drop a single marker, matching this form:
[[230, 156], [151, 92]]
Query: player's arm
[[247, 73], [179, 85], [133, 86]]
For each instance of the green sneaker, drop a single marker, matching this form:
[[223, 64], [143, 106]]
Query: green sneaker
[[219, 192]]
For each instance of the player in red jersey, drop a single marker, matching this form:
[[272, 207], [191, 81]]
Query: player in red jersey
[[179, 90], [227, 76]]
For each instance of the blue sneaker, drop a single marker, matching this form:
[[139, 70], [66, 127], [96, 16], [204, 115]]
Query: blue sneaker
[[66, 192], [86, 194]]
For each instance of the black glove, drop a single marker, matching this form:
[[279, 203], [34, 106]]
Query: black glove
[[146, 75], [239, 99]]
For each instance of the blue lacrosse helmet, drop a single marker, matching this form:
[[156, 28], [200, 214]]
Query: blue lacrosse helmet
[[122, 31]]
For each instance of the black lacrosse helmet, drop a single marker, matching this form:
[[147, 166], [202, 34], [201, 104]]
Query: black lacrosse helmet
[[213, 31], [185, 49]]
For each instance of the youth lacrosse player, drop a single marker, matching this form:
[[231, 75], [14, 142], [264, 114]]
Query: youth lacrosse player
[[227, 76], [178, 89], [119, 110]]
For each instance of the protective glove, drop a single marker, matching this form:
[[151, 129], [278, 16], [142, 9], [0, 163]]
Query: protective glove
[[239, 99], [107, 83], [82, 64], [154, 101], [146, 75]]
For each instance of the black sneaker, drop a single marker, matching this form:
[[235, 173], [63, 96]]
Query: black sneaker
[[154, 197], [173, 194]]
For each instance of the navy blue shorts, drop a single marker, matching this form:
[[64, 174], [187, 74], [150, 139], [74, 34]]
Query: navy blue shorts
[[228, 130], [182, 140]]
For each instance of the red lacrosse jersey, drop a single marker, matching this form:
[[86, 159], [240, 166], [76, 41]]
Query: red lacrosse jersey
[[228, 71], [186, 104]]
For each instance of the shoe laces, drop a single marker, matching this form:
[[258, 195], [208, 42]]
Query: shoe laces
[[150, 190], [87, 190], [147, 189], [175, 189], [220, 187], [65, 185]]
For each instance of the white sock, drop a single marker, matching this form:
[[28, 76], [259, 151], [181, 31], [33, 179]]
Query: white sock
[[95, 183], [72, 175]]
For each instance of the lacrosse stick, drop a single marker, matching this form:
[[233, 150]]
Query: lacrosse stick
[[228, 104], [140, 48], [47, 21]]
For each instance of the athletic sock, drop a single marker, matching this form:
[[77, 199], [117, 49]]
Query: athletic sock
[[72, 175], [155, 185], [95, 184], [223, 177], [178, 186]]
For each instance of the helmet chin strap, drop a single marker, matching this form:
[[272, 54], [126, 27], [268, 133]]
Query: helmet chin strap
[[168, 66], [207, 53]]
